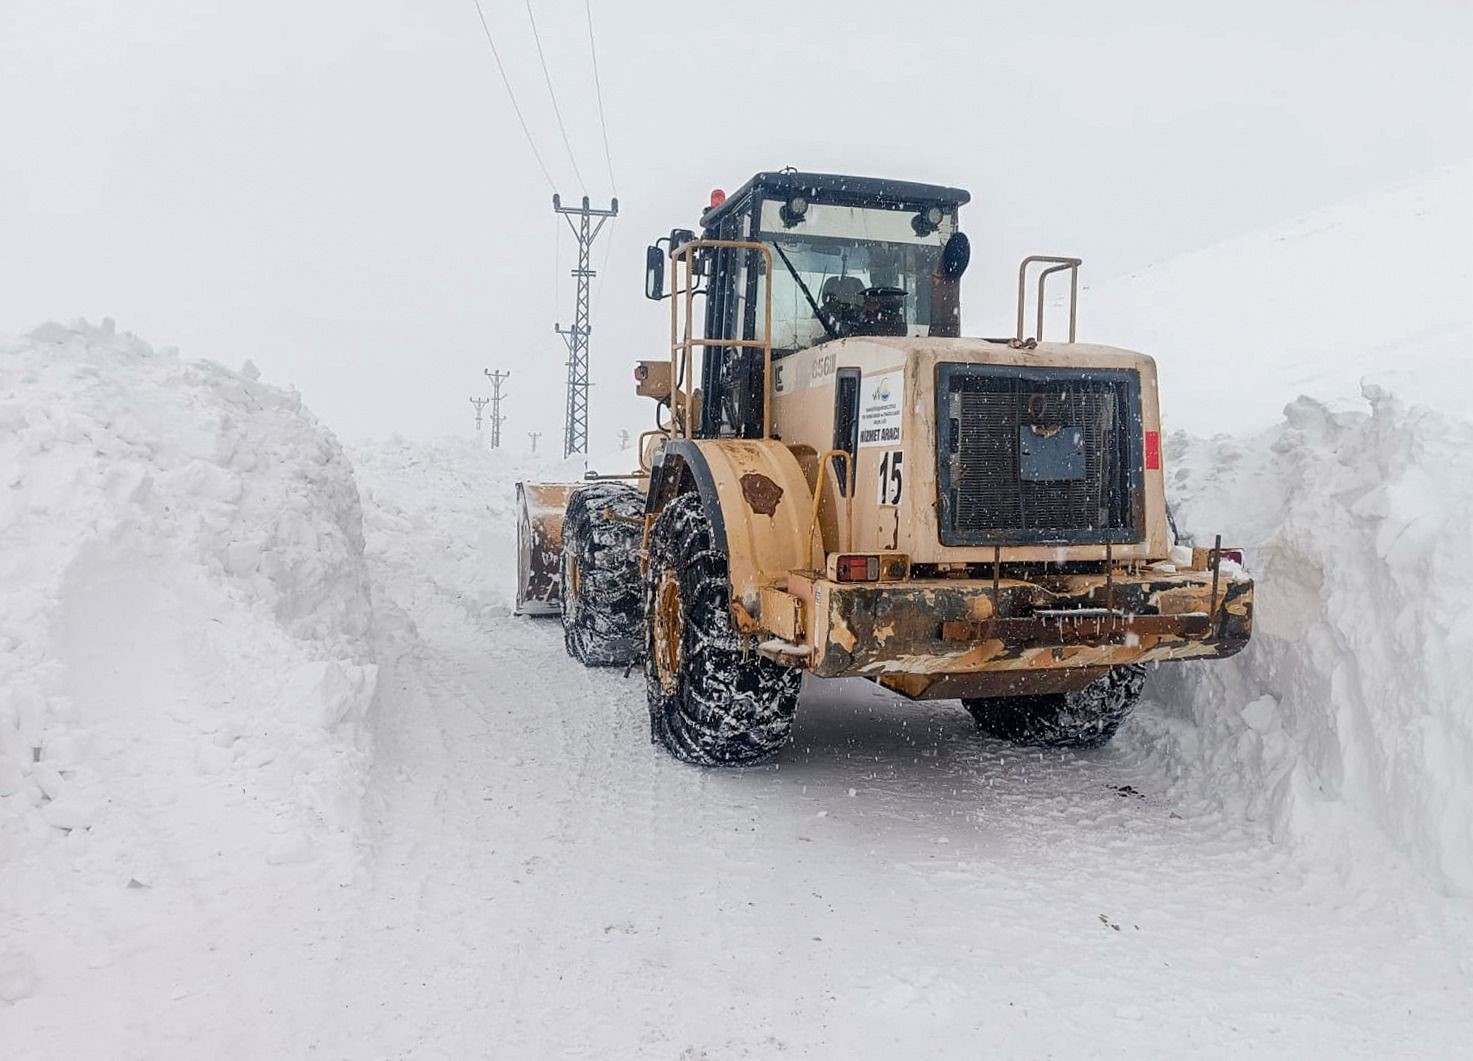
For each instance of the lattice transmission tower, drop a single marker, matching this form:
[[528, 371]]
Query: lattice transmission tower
[[585, 231], [496, 379]]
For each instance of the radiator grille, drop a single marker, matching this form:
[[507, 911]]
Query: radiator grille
[[1030, 457]]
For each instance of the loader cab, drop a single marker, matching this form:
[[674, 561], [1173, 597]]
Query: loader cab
[[849, 256]]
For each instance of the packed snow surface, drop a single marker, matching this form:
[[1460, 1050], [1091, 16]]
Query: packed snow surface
[[895, 885]]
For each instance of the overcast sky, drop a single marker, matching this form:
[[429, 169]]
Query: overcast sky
[[338, 189]]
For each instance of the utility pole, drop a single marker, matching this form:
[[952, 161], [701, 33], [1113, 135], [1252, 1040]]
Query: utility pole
[[623, 438], [575, 436], [479, 403], [534, 436], [496, 417]]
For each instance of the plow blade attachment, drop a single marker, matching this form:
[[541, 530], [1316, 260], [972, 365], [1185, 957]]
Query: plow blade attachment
[[540, 508]]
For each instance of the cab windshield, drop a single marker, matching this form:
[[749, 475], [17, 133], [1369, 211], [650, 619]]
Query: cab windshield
[[851, 259]]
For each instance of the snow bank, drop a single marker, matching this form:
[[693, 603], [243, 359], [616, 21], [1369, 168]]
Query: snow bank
[[1354, 702], [184, 652], [1350, 716]]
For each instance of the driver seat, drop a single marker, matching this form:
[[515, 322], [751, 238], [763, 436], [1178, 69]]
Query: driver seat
[[842, 298]]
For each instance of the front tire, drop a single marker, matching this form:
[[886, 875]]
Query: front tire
[[712, 702], [600, 575], [1085, 718]]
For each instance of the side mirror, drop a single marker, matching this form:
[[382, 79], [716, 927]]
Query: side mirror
[[956, 256], [654, 273]]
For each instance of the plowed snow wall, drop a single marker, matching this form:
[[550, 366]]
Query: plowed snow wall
[[1357, 690], [185, 662]]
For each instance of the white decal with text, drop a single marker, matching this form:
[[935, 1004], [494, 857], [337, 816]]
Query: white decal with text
[[881, 402]]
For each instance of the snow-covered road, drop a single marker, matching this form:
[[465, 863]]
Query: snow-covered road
[[545, 883]]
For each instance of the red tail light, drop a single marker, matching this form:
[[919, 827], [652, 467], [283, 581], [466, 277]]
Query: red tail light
[[857, 569], [1153, 451], [1235, 555]]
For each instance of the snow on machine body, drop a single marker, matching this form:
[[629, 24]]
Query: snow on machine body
[[840, 484]]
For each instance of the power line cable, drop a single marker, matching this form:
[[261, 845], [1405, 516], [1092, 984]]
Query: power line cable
[[599, 91], [557, 111], [521, 120], [598, 292]]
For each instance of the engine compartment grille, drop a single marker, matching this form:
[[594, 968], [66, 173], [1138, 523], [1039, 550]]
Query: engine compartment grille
[[1039, 455]]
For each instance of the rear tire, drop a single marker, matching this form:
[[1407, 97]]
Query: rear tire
[[1085, 718], [712, 702], [602, 621]]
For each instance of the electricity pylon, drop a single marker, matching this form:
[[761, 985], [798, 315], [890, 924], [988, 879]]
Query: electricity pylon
[[534, 436], [575, 435], [496, 417], [479, 403]]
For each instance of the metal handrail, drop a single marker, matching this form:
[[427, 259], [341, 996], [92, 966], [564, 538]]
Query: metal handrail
[[1059, 265], [683, 343], [849, 480]]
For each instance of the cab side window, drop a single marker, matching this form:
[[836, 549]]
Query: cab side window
[[846, 425]]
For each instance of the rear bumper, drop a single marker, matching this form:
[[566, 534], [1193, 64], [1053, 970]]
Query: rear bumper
[[921, 637]]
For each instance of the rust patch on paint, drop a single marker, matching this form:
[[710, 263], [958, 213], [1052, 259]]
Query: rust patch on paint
[[762, 493], [841, 635]]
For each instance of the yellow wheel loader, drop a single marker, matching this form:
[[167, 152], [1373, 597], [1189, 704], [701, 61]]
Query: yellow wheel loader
[[838, 483]]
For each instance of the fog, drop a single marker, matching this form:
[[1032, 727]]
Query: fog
[[340, 190]]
